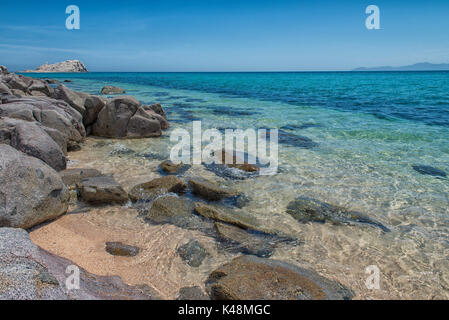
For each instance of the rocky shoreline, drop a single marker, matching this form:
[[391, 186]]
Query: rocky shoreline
[[42, 121]]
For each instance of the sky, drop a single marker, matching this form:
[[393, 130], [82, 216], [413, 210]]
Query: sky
[[231, 35]]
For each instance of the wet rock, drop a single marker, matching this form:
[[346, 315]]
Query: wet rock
[[122, 250], [237, 163], [305, 209], [428, 170], [168, 167], [75, 176], [192, 294], [193, 253], [124, 117], [156, 187], [73, 146], [265, 279], [30, 273], [31, 192], [102, 190], [169, 209], [209, 191], [112, 90], [244, 241], [33, 140], [241, 220], [294, 140]]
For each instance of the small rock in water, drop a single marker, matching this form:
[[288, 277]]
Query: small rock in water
[[75, 176], [112, 90], [244, 241], [192, 293], [169, 167], [193, 253], [208, 191], [152, 189], [102, 190], [122, 250], [305, 209], [170, 209], [252, 278], [428, 170]]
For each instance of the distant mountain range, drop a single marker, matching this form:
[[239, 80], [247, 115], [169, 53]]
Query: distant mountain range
[[424, 66]]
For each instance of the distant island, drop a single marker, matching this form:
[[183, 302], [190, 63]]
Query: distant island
[[72, 66], [423, 66]]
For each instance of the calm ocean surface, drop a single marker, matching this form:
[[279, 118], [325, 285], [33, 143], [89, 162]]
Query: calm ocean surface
[[350, 139]]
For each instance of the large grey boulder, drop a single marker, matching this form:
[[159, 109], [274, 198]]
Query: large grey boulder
[[40, 87], [4, 89], [75, 99], [16, 82], [28, 272], [93, 106], [51, 113], [3, 70], [31, 192], [124, 117], [31, 139]]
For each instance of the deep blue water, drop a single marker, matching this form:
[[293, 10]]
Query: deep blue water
[[416, 96]]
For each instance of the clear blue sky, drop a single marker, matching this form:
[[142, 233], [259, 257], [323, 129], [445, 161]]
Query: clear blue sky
[[228, 35]]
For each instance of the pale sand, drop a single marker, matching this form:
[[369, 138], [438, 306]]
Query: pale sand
[[82, 237]]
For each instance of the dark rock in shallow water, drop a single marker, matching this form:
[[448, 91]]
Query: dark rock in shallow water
[[192, 294], [244, 241], [150, 190], [305, 209], [193, 253], [112, 90], [169, 209], [102, 190], [75, 176], [300, 127], [294, 140], [428, 170], [209, 191], [168, 167], [122, 250], [252, 278]]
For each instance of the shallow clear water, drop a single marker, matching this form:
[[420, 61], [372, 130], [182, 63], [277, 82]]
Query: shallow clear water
[[370, 128]]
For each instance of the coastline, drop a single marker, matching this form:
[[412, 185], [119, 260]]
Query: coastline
[[127, 162]]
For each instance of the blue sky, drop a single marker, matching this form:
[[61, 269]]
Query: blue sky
[[229, 35]]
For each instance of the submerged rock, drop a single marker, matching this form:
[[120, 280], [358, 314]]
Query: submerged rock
[[157, 187], [428, 170], [122, 250], [31, 192], [261, 245], [252, 278], [112, 90], [169, 209], [75, 176], [241, 220], [208, 191], [102, 190], [305, 209], [193, 253], [30, 273], [192, 293], [168, 167]]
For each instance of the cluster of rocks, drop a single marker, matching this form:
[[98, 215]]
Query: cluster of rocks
[[40, 122]]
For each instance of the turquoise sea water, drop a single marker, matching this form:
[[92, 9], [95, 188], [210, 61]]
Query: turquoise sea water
[[350, 139]]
